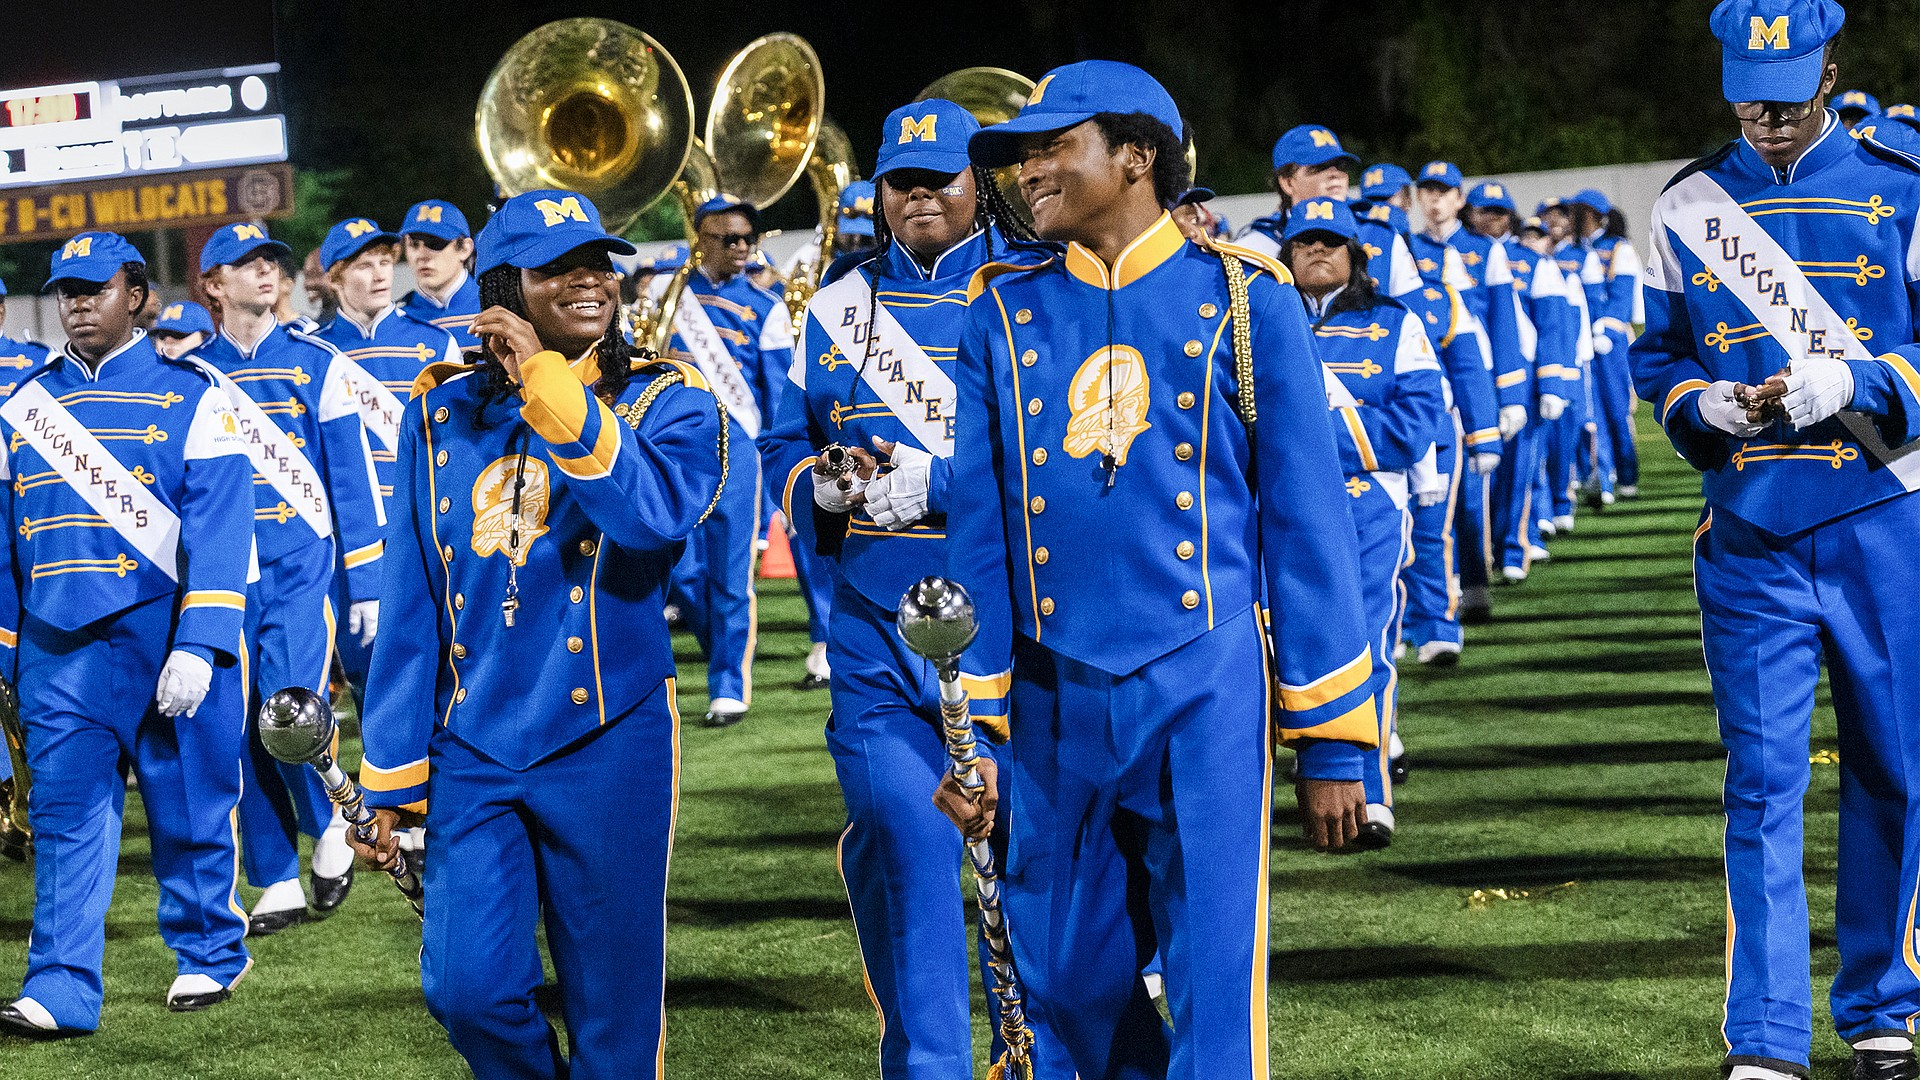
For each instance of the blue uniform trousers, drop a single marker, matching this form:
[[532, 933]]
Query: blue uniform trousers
[[1616, 459], [581, 841], [900, 857], [1771, 609], [86, 698], [1433, 606], [1473, 551], [713, 581], [1512, 496], [814, 572], [1138, 818], [290, 626], [1561, 451], [1386, 541]]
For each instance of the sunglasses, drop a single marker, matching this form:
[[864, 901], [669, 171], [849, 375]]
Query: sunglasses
[[730, 239], [1783, 111], [429, 241]]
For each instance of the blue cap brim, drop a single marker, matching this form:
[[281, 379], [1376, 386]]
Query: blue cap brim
[[249, 254], [747, 208], [93, 275], [1774, 80], [1336, 155], [365, 242], [949, 162], [551, 247], [999, 146], [1317, 228], [435, 228], [858, 226]]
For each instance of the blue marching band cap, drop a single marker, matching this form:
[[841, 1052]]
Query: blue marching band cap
[[724, 203], [1321, 215], [184, 317], [1551, 202], [231, 245], [1774, 50], [1383, 181], [93, 257], [3, 289], [349, 238], [1902, 112], [1492, 195], [536, 227], [1310, 145], [1194, 195], [437, 217], [1071, 95], [1857, 101], [667, 261], [930, 135], [1593, 200], [856, 209], [1444, 173]]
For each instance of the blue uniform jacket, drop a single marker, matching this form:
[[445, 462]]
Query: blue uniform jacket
[[394, 350], [1846, 213], [605, 510], [1383, 358], [1550, 321], [454, 316], [1614, 299], [167, 423], [829, 400], [1485, 284], [754, 324], [293, 377], [1060, 362], [16, 358], [1389, 259]]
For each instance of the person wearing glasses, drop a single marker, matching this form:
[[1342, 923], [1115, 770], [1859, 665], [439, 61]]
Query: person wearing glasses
[[1796, 394], [741, 337]]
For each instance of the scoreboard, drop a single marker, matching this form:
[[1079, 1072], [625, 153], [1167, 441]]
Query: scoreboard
[[139, 127]]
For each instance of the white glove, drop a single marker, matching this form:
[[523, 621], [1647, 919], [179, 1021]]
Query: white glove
[[363, 618], [1723, 413], [830, 496], [1818, 387], [1551, 406], [1512, 419], [1429, 487], [1602, 341], [898, 498], [1483, 462], [184, 683]]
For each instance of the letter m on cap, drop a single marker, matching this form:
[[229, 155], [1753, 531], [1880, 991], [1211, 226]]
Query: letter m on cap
[[1321, 211], [1039, 91], [920, 130], [1323, 137], [249, 232], [79, 247], [357, 229], [428, 213], [557, 212], [1764, 33]]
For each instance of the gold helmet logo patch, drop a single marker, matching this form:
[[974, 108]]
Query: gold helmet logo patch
[[494, 523], [1109, 398]]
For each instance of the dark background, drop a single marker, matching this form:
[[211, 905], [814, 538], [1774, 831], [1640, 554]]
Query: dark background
[[381, 94]]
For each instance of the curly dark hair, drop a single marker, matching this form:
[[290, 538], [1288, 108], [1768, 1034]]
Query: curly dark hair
[[500, 287], [1170, 179], [1359, 295]]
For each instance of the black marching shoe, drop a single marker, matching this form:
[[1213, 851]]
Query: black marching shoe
[[331, 892], [15, 1023], [1397, 769], [192, 993], [1884, 1065], [275, 921], [811, 681]]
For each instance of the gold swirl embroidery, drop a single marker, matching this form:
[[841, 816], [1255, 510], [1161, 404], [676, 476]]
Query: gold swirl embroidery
[[1366, 369], [1706, 277], [1835, 453], [1357, 487], [1859, 269], [834, 358], [1724, 337], [1864, 333]]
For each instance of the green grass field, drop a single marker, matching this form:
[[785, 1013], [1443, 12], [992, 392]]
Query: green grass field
[[1571, 757]]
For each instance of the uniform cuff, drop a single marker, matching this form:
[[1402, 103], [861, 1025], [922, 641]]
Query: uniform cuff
[[1329, 759]]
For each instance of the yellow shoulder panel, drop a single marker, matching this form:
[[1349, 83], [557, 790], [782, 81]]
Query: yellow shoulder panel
[[985, 275], [1257, 260], [437, 373], [688, 371]]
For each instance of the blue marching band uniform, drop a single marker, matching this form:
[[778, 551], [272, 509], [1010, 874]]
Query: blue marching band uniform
[[443, 221]]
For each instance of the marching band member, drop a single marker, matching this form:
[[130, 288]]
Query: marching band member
[[1389, 416], [393, 347], [1553, 499], [1615, 304], [16, 355], [1580, 263], [1796, 394], [297, 402], [541, 496], [1448, 255], [1104, 450], [183, 326], [875, 374], [741, 338], [124, 640], [439, 251], [1546, 328], [1387, 184], [1309, 162]]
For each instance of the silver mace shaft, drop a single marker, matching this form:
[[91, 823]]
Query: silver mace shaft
[[937, 621], [297, 727]]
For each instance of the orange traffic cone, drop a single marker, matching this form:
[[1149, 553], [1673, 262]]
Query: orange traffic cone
[[777, 560]]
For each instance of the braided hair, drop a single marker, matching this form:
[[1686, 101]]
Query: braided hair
[[500, 287]]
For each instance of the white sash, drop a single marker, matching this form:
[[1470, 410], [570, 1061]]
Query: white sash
[[96, 475], [1339, 397], [899, 363], [275, 457], [712, 356], [379, 408], [1741, 254]]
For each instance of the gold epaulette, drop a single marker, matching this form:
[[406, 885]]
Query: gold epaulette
[[688, 370], [436, 373], [985, 275], [1247, 255]]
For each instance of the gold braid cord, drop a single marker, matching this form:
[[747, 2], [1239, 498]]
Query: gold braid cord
[[1242, 314], [633, 413]]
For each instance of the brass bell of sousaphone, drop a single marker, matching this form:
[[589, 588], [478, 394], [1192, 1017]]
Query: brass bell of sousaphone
[[993, 95], [587, 105]]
